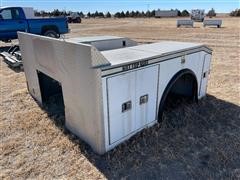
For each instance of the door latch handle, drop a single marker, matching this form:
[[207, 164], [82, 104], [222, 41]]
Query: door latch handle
[[126, 106], [143, 99], [205, 74]]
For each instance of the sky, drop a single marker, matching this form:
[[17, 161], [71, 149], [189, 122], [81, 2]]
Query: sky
[[220, 6]]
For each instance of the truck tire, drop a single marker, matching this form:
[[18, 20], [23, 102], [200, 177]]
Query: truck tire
[[51, 33], [78, 20]]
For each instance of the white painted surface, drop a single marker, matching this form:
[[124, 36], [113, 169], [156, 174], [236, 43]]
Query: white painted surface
[[29, 12], [166, 13], [205, 75], [121, 89], [103, 43], [169, 68], [184, 22], [130, 87], [93, 104], [146, 84], [145, 51], [212, 22]]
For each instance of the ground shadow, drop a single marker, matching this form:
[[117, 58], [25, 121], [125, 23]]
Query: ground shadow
[[214, 27], [206, 145], [4, 48]]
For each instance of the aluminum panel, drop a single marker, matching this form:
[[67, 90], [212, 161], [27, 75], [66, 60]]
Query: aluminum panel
[[71, 65], [146, 91], [205, 75], [121, 89]]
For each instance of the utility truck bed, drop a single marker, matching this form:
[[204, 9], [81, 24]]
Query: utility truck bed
[[112, 88]]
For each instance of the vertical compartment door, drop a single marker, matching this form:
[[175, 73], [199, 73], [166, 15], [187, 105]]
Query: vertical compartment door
[[146, 95], [121, 107], [205, 74]]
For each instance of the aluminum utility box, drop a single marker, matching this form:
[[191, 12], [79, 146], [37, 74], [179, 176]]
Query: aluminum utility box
[[112, 94], [185, 22], [212, 22]]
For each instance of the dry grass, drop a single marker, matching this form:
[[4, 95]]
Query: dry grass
[[195, 141]]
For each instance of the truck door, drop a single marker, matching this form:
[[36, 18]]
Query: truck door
[[11, 21], [121, 107], [205, 74], [146, 95]]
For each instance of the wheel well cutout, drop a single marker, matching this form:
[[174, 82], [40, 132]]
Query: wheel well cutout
[[183, 85]]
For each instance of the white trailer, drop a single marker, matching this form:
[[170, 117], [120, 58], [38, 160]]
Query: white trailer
[[166, 13], [212, 22], [185, 22], [110, 95], [198, 15]]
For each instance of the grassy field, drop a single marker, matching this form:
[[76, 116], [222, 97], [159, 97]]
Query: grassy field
[[197, 141]]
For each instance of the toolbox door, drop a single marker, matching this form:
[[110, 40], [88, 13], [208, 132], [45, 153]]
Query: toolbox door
[[205, 74], [146, 95], [121, 105]]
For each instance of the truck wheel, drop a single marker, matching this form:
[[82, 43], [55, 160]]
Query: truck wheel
[[51, 33], [78, 20]]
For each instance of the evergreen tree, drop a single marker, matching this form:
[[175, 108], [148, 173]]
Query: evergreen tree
[[122, 15], [211, 13], [185, 13], [108, 15], [236, 12], [127, 14]]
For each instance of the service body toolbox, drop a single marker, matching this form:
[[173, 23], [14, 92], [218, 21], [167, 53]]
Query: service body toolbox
[[111, 93]]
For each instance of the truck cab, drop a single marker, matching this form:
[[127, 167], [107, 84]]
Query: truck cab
[[14, 19]]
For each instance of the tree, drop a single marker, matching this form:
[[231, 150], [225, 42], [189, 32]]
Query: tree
[[88, 14], [117, 15], [211, 13], [127, 14], [100, 14], [185, 13], [56, 12], [148, 14], [132, 14], [179, 13], [235, 12], [137, 14], [108, 15], [142, 14], [81, 14], [96, 14], [153, 13], [36, 13], [122, 15]]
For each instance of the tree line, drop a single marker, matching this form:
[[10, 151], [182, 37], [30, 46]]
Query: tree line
[[96, 14], [235, 12], [122, 14]]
